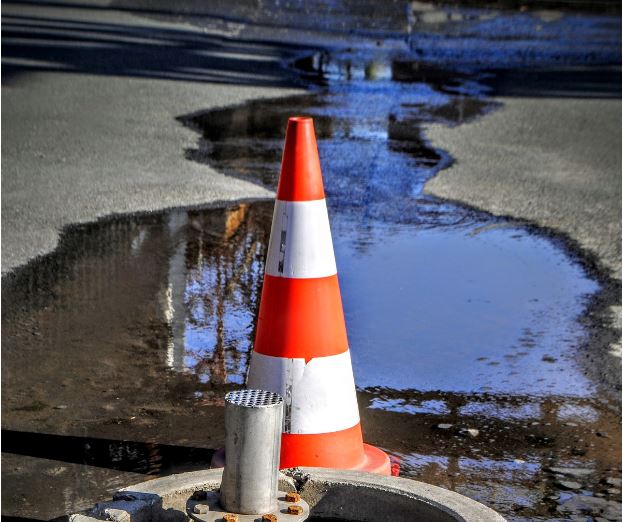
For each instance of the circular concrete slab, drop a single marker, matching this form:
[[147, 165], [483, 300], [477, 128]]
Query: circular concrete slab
[[330, 493]]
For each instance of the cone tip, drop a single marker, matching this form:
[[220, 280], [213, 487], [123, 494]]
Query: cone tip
[[300, 120], [301, 178]]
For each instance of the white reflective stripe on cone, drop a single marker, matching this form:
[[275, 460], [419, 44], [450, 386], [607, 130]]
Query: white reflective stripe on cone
[[300, 241], [319, 396]]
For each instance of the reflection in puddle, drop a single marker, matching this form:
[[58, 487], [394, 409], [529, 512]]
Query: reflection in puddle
[[139, 325], [406, 406], [522, 465], [577, 412], [522, 411], [443, 295], [128, 332], [448, 283], [212, 294], [375, 159]]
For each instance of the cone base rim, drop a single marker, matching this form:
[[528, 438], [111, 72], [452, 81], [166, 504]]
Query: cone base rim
[[375, 461]]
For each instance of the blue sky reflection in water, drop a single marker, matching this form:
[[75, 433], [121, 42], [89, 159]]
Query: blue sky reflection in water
[[466, 309], [463, 310], [436, 296]]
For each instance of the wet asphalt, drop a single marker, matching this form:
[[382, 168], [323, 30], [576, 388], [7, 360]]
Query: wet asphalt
[[90, 100]]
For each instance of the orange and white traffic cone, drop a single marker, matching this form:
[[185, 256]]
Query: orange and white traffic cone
[[301, 348]]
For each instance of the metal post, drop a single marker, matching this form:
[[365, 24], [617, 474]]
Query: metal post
[[253, 425]]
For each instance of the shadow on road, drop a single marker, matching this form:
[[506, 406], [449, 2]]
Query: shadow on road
[[149, 458], [43, 42]]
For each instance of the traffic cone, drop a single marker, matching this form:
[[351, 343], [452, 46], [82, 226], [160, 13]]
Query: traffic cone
[[301, 349]]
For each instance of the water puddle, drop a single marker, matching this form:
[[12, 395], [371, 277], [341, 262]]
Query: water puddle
[[119, 346], [429, 280], [118, 349]]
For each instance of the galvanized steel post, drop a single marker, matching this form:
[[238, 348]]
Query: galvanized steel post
[[253, 426]]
